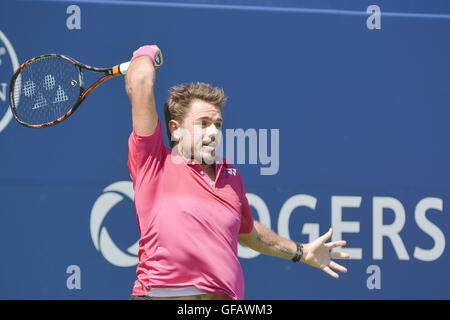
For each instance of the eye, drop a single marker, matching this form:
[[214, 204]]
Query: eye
[[219, 125], [201, 123]]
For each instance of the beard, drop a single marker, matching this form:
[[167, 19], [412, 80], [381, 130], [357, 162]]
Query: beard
[[202, 153], [208, 154], [202, 149]]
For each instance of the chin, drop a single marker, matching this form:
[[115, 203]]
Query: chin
[[208, 158]]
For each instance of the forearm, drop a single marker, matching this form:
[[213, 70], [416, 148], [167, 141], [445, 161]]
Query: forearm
[[266, 241], [140, 77], [140, 81]]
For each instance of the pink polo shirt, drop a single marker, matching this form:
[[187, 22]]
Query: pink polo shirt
[[189, 224]]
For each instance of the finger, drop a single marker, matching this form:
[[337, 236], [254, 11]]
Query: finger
[[337, 267], [330, 272], [339, 255], [327, 235], [331, 245], [157, 53], [155, 47]]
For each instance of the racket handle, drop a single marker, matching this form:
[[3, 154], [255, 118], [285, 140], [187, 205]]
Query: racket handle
[[123, 67]]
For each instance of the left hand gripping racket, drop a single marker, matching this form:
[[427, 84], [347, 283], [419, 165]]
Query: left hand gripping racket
[[46, 90]]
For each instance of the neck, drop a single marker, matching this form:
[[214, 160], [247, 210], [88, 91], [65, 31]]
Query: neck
[[210, 170]]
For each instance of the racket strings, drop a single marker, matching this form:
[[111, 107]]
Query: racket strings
[[45, 90]]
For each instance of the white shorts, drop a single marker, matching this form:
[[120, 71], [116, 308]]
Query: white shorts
[[175, 292]]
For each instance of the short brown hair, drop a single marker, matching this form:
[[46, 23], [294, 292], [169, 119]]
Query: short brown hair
[[181, 97]]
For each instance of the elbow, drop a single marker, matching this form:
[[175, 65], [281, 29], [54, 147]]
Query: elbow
[[139, 82]]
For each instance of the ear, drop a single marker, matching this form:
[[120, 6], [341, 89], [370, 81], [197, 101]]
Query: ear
[[174, 127]]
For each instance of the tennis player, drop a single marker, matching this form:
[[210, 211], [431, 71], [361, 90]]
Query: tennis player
[[191, 205]]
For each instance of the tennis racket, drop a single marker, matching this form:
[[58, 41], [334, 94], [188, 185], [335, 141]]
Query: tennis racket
[[46, 90]]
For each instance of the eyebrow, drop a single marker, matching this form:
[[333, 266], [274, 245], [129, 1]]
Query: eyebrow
[[209, 118]]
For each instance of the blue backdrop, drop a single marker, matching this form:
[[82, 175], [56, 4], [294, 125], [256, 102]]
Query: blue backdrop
[[358, 105]]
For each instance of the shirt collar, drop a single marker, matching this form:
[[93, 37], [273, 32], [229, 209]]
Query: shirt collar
[[192, 162]]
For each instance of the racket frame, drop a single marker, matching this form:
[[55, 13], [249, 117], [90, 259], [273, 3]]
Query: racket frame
[[109, 73]]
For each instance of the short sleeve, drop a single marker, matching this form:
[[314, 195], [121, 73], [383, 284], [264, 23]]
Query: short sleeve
[[246, 218], [145, 153]]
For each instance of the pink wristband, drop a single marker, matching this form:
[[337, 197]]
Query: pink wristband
[[145, 51]]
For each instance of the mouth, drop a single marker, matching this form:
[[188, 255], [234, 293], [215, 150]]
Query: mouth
[[209, 148], [211, 145]]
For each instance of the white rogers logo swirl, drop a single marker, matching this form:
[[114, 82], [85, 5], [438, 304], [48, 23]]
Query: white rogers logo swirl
[[6, 50], [103, 242]]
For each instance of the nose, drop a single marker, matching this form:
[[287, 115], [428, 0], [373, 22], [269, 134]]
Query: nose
[[212, 131]]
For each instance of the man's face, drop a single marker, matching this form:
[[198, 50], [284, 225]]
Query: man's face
[[201, 132]]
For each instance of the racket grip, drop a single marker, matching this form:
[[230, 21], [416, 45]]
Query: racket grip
[[123, 67]]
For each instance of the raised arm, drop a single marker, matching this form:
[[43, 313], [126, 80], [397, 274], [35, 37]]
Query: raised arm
[[140, 80]]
